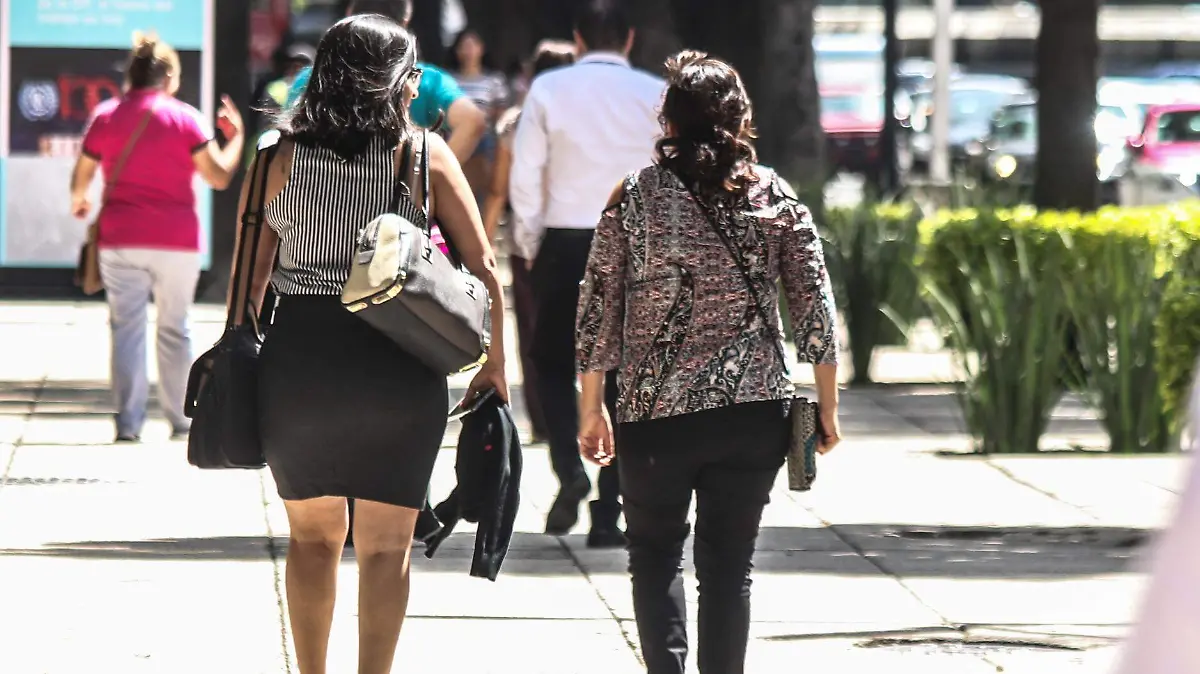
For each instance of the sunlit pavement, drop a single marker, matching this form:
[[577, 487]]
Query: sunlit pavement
[[904, 557]]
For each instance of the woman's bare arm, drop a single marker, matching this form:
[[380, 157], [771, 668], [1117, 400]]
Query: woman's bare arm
[[457, 214], [497, 199]]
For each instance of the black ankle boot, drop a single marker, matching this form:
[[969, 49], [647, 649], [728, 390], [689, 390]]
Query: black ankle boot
[[605, 533], [564, 514]]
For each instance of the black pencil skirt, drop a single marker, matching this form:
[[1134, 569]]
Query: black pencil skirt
[[343, 410]]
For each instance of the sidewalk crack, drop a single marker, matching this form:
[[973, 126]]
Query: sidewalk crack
[[274, 553], [612, 612], [1045, 492]]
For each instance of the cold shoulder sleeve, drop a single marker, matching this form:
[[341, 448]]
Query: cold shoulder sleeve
[[601, 312], [806, 283]]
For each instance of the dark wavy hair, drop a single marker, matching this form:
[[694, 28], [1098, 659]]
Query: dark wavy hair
[[356, 91], [707, 120], [452, 62]]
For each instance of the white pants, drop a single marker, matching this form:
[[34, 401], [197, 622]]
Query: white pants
[[131, 276]]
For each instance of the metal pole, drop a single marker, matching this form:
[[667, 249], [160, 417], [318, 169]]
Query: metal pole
[[943, 59], [890, 176]]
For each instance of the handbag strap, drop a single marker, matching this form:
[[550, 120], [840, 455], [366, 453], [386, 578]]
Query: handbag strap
[[240, 309], [125, 152], [118, 166], [401, 190], [741, 265]]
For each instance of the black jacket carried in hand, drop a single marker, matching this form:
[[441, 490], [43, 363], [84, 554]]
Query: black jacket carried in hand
[[488, 468]]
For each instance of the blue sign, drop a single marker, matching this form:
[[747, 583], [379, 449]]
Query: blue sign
[[105, 23]]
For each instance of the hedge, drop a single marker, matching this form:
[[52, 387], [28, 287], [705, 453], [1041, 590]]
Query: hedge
[[1008, 287]]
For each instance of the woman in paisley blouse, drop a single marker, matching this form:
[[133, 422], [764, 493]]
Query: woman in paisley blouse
[[703, 389]]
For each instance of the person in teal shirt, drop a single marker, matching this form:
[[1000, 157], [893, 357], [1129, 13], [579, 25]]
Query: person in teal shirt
[[439, 98]]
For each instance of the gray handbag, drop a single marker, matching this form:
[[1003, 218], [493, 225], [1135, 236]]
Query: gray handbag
[[402, 284]]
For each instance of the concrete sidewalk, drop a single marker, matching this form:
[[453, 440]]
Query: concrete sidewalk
[[905, 557]]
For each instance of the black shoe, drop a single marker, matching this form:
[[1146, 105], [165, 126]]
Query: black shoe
[[564, 514], [180, 433], [128, 438], [605, 533]]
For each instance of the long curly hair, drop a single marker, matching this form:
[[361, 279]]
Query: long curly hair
[[707, 121], [356, 91]]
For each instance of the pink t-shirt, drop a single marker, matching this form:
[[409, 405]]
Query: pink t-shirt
[[153, 203]]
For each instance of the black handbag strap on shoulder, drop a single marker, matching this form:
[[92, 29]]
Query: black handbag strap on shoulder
[[241, 307], [402, 190], [709, 215]]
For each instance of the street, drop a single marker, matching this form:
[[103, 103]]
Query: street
[[906, 557]]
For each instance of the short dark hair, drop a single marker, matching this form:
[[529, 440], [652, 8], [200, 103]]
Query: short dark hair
[[356, 91], [552, 54], [400, 10], [603, 25]]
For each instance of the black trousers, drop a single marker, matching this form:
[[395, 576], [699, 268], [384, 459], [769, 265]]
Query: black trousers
[[526, 309], [556, 275], [730, 458]]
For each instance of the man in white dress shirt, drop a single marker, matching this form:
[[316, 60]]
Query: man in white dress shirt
[[583, 128]]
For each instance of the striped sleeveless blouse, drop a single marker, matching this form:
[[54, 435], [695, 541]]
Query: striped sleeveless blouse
[[318, 215]]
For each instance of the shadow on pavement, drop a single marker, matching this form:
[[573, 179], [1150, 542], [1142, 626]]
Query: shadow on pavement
[[86, 398], [846, 550], [935, 409]]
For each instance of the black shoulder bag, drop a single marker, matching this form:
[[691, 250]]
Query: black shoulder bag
[[803, 414], [222, 388]]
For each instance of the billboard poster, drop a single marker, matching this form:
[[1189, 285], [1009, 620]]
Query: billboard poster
[[59, 59]]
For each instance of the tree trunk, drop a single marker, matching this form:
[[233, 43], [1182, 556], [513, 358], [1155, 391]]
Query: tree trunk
[[507, 27], [789, 104], [656, 37], [427, 26], [1067, 49]]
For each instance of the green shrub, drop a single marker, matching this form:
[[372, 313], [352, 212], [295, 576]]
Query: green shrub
[[1120, 264], [993, 281], [870, 252], [1112, 303], [1177, 344]]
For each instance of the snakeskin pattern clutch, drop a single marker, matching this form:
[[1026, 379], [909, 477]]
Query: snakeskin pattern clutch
[[802, 450]]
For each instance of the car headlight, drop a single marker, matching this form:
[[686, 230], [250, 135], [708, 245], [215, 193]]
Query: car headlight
[[1188, 179], [1005, 166]]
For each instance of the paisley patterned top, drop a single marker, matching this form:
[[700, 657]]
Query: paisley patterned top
[[664, 303]]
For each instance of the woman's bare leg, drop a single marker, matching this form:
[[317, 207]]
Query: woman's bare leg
[[314, 550], [383, 545]]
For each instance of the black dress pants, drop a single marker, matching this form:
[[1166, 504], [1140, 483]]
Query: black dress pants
[[730, 458], [556, 275]]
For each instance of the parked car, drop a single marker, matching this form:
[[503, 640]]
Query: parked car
[[1010, 148], [1164, 159], [974, 100], [852, 118]]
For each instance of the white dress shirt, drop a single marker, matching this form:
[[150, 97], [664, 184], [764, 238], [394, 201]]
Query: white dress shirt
[[583, 128]]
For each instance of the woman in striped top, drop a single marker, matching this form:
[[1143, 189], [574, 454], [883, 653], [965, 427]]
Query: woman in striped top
[[344, 412]]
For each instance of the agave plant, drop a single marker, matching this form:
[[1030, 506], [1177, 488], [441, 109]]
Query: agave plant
[[1114, 290], [995, 290], [871, 252]]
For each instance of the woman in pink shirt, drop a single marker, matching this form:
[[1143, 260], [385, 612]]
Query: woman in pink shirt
[[149, 232]]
